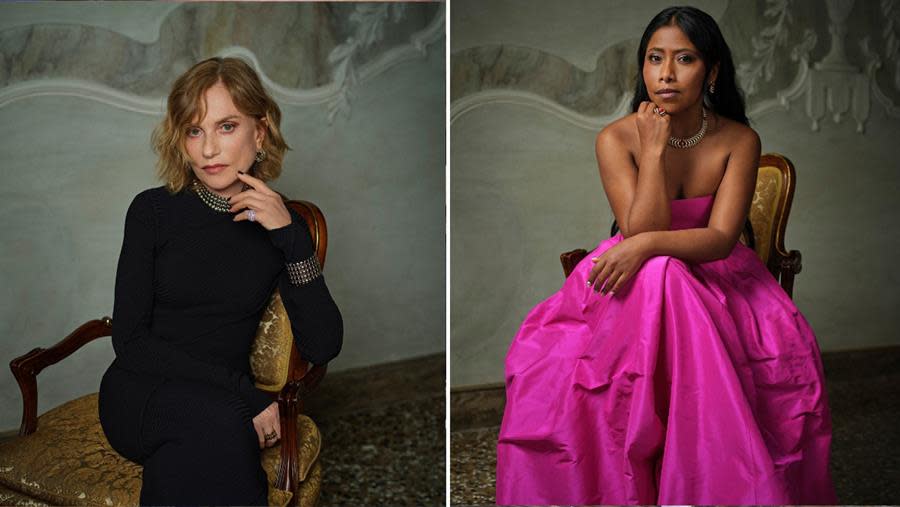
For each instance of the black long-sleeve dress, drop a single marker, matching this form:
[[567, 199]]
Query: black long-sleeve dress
[[191, 287]]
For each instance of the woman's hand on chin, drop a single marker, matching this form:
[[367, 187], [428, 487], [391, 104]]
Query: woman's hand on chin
[[268, 208], [653, 127], [614, 267]]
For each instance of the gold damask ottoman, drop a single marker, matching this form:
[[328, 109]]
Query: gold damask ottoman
[[68, 461]]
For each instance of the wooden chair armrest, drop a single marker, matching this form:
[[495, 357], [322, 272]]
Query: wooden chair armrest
[[26, 368], [290, 406], [571, 259]]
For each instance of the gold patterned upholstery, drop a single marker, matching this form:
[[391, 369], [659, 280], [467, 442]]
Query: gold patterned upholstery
[[764, 208], [68, 461], [63, 457], [271, 350]]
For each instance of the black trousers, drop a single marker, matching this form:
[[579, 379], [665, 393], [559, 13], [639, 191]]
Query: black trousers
[[198, 447]]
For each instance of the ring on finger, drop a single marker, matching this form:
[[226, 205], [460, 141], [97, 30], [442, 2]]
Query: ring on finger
[[251, 215], [270, 436]]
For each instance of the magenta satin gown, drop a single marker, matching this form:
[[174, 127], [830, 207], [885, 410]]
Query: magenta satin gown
[[694, 384]]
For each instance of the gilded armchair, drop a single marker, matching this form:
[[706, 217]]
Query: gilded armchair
[[63, 457]]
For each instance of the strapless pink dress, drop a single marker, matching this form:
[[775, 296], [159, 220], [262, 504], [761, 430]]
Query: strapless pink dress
[[694, 384]]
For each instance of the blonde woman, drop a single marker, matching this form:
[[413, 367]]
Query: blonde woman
[[200, 258]]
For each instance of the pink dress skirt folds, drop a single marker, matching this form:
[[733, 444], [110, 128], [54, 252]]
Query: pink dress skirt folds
[[694, 384]]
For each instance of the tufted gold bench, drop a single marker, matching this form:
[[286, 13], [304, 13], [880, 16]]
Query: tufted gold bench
[[766, 222], [63, 457]]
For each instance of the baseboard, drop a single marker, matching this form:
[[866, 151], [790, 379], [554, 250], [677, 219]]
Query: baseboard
[[371, 387], [476, 406]]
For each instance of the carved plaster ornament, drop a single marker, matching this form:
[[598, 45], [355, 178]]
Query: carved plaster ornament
[[369, 21]]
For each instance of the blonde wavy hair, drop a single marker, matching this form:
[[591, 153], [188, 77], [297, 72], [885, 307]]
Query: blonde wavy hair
[[186, 102]]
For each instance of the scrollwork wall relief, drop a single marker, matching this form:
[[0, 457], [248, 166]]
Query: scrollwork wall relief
[[789, 54], [310, 53]]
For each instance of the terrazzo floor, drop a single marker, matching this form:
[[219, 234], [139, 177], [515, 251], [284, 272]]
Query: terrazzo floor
[[383, 435], [864, 395], [389, 456]]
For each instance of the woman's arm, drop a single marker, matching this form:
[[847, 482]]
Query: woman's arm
[[733, 198], [636, 193], [135, 346], [618, 264], [315, 319]]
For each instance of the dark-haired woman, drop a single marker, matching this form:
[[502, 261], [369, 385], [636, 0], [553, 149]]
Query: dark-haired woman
[[670, 367]]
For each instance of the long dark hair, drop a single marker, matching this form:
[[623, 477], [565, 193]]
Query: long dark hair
[[705, 35]]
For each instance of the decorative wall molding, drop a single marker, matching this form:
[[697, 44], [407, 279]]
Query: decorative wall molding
[[83, 89], [370, 20], [347, 74], [762, 65], [834, 85], [473, 101], [830, 88]]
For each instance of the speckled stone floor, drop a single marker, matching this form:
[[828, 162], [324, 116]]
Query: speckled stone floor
[[383, 436], [864, 395]]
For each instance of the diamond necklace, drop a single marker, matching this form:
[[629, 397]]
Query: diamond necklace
[[211, 199], [679, 142]]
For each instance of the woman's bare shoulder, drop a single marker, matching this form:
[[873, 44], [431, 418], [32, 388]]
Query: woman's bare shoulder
[[620, 133], [737, 134]]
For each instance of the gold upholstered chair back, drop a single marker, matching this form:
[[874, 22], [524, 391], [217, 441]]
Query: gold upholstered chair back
[[770, 209], [273, 357], [766, 222]]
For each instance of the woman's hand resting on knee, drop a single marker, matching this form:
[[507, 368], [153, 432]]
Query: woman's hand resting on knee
[[268, 424], [617, 265]]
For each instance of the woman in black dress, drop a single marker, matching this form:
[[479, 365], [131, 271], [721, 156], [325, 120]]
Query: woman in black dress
[[200, 259]]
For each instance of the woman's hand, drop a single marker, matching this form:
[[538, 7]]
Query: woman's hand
[[268, 423], [614, 267], [653, 127], [266, 204]]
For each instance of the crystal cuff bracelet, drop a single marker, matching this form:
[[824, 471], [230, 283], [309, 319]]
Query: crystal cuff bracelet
[[305, 271]]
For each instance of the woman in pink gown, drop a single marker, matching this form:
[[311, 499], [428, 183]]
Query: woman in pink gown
[[670, 368]]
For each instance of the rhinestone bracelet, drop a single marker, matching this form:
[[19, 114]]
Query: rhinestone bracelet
[[305, 271]]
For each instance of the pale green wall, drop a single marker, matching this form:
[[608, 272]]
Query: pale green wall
[[533, 82], [72, 164]]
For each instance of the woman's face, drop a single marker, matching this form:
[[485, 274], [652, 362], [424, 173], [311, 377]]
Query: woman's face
[[673, 70], [223, 142]]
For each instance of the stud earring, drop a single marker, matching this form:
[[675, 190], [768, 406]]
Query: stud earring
[[260, 155], [712, 87]]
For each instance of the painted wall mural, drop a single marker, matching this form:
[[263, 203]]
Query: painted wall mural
[[309, 54], [789, 53]]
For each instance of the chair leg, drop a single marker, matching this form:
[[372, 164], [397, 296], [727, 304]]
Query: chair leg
[[790, 266]]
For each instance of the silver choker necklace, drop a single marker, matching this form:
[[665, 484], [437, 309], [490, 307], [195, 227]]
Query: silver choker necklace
[[211, 199], [678, 142]]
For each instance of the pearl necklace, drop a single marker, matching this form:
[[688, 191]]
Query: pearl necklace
[[211, 199], [679, 142]]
